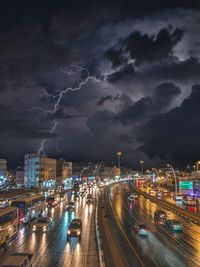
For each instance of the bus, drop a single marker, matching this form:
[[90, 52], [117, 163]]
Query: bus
[[187, 200], [30, 207], [53, 200], [8, 224]]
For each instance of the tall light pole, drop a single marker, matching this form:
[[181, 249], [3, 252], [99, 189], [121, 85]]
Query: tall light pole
[[118, 159], [142, 166], [198, 162], [170, 166]]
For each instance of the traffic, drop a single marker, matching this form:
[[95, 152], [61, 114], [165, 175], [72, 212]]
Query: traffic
[[56, 217]]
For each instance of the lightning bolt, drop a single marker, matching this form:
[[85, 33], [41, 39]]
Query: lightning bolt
[[58, 97]]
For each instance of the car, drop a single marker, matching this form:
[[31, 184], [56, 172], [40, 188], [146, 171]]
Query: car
[[177, 197], [159, 194], [131, 198], [141, 229], [18, 260], [89, 196], [70, 206], [75, 229], [151, 193], [165, 191], [42, 224], [89, 201], [160, 216], [82, 193], [62, 196], [173, 225]]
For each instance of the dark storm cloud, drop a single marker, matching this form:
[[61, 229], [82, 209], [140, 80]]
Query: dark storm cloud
[[60, 114], [115, 56], [186, 70], [174, 135], [124, 138], [22, 128], [152, 48], [161, 99], [100, 121], [125, 72], [103, 99], [173, 70], [145, 48], [13, 13]]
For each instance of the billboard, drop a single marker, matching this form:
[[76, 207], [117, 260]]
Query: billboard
[[185, 185]]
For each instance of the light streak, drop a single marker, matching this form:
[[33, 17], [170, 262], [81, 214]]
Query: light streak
[[60, 95]]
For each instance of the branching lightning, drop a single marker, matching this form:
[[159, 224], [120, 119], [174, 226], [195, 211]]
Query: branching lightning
[[59, 97]]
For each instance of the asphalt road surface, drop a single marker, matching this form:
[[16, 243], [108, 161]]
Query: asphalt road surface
[[161, 247], [51, 248]]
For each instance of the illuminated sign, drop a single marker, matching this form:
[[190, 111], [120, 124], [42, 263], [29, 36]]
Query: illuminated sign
[[186, 185], [91, 178]]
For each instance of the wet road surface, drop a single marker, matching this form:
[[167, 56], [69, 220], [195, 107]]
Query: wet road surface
[[51, 248], [161, 247]]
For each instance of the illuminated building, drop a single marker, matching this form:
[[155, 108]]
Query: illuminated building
[[3, 171], [63, 171], [39, 171]]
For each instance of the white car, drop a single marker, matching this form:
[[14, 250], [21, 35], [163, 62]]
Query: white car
[[42, 224]]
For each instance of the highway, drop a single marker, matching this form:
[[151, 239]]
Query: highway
[[51, 248], [194, 209], [161, 247]]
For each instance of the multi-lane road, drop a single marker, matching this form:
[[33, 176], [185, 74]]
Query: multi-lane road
[[161, 247], [120, 244], [51, 248]]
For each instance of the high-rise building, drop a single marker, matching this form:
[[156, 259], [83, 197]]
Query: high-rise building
[[39, 170], [19, 176], [3, 168], [63, 171]]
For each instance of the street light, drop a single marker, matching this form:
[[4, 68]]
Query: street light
[[142, 166], [170, 166], [118, 157], [198, 162]]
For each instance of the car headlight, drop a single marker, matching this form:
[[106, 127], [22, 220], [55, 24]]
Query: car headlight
[[68, 232]]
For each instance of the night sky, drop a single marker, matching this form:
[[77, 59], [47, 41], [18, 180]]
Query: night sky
[[136, 63]]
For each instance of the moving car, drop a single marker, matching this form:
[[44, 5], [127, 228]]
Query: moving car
[[89, 198], [165, 191], [89, 201], [160, 216], [82, 193], [42, 224], [159, 194], [75, 229], [173, 225], [18, 260], [70, 206], [177, 197], [188, 200], [131, 198], [135, 195], [151, 192], [141, 229]]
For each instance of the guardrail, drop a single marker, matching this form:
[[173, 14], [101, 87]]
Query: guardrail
[[171, 207]]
